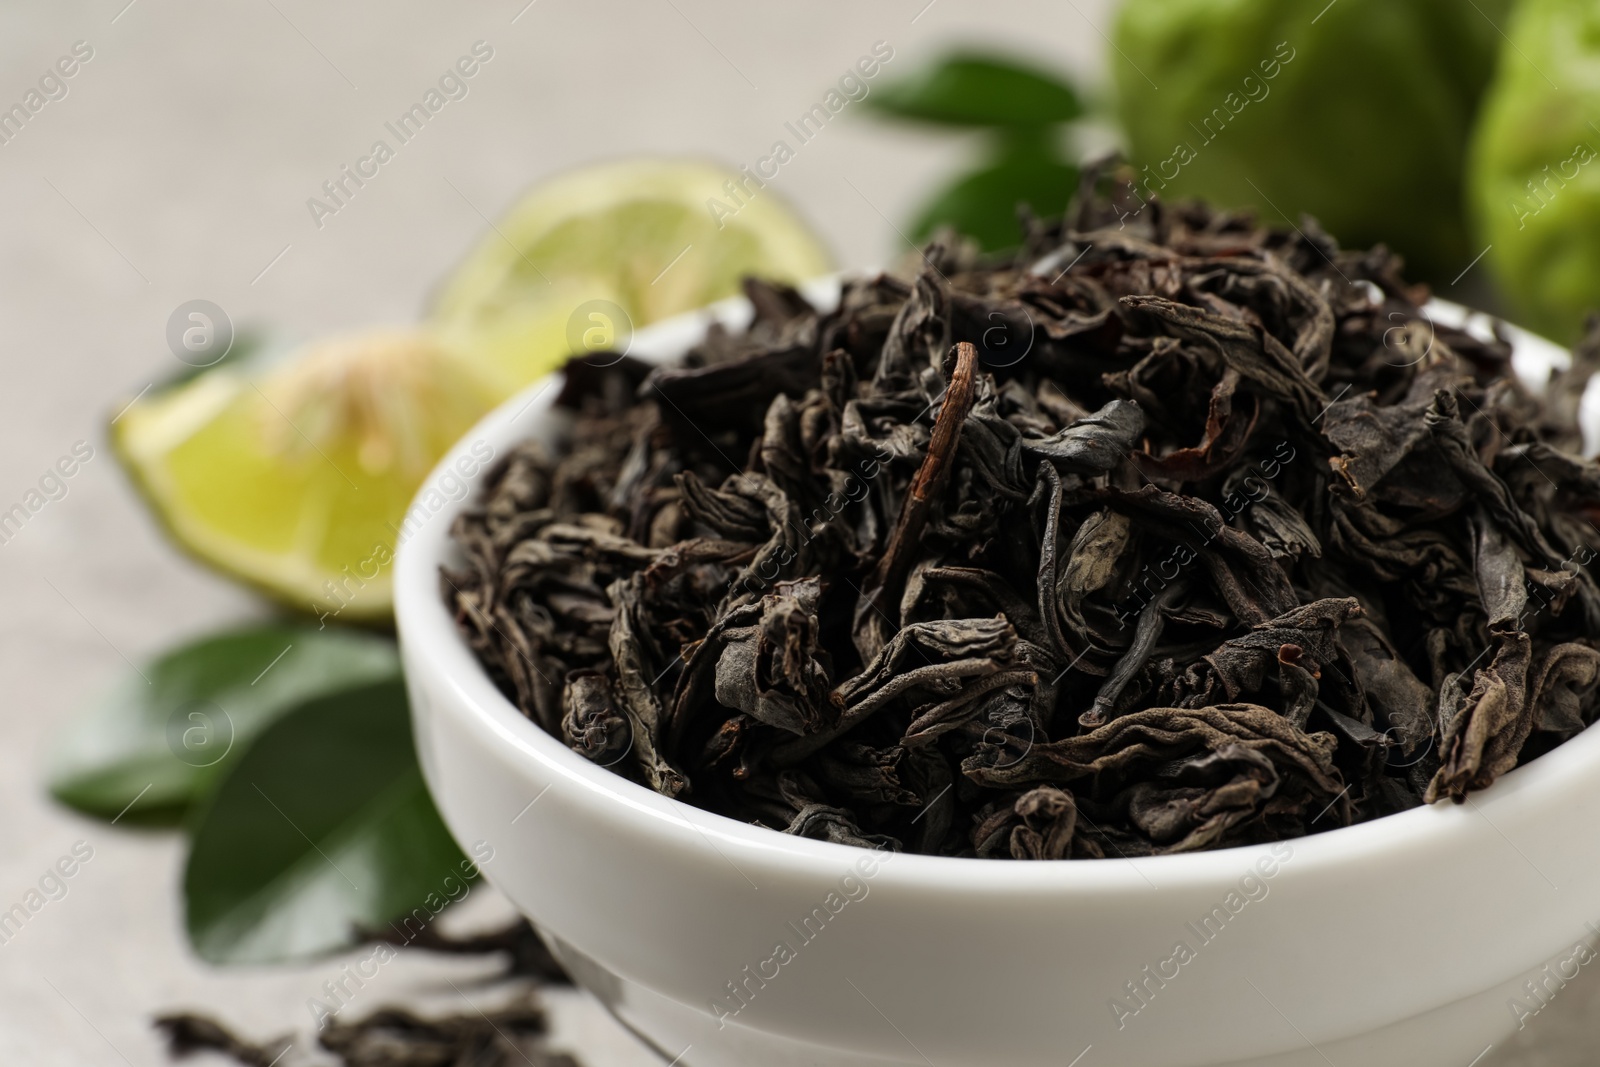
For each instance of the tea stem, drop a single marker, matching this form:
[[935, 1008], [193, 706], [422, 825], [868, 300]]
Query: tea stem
[[931, 476]]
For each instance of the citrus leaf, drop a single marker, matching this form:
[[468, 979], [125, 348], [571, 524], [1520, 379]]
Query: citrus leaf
[[164, 736], [970, 89], [324, 826], [983, 204]]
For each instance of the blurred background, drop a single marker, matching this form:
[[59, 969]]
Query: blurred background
[[176, 161]]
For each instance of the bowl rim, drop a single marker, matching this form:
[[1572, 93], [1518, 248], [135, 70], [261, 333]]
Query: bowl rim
[[431, 643]]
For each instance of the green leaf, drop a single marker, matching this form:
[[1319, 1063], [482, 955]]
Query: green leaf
[[983, 204], [971, 89], [164, 736], [324, 825]]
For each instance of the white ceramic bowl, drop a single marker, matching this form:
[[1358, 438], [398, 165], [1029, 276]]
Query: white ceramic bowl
[[1396, 942]]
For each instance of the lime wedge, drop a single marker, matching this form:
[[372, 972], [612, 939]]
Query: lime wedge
[[296, 477], [584, 258]]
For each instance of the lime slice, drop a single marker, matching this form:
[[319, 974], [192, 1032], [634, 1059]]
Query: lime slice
[[295, 478], [584, 258]]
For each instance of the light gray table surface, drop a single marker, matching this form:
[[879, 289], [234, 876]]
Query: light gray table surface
[[177, 167]]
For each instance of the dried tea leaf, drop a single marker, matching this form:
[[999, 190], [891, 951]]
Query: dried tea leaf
[[773, 669], [1484, 736], [1563, 689]]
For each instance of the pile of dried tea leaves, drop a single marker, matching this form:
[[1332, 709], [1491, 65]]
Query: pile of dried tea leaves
[[1169, 532]]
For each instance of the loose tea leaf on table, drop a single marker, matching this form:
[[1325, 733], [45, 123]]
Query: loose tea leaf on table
[[526, 955], [396, 1037], [389, 1037], [1169, 532]]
